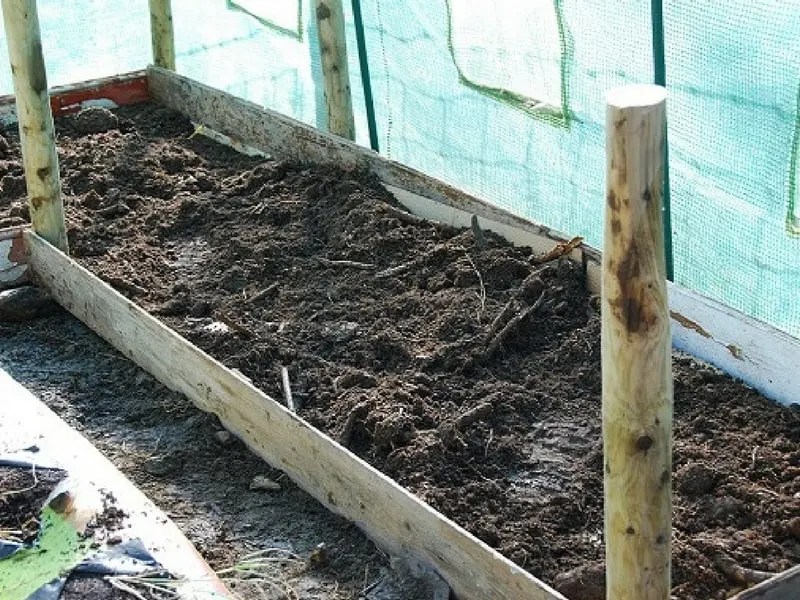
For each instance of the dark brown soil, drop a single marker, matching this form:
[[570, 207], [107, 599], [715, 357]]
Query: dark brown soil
[[23, 492], [397, 354], [83, 587]]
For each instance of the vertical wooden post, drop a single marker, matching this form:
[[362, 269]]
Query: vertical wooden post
[[333, 55], [36, 130], [162, 34], [636, 350]]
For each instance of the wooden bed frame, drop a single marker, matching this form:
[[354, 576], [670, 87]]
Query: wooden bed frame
[[395, 519]]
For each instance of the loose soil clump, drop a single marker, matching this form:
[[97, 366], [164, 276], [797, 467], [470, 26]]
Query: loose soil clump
[[23, 492], [449, 359]]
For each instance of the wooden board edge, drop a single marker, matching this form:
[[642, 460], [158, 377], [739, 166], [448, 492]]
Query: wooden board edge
[[390, 515], [13, 267], [32, 421], [784, 586], [758, 354], [283, 137], [118, 90]]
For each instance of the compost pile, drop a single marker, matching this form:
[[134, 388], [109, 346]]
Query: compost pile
[[464, 368]]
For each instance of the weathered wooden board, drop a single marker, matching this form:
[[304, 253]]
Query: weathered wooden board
[[120, 90], [26, 422], [784, 586], [395, 519]]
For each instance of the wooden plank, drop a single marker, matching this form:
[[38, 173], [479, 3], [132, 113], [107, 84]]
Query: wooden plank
[[161, 33], [25, 422], [119, 90], [636, 349], [455, 217], [333, 58], [755, 352], [286, 138], [13, 269], [784, 586], [36, 129], [395, 519]]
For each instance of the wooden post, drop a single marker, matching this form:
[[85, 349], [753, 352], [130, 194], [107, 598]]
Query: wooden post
[[636, 350], [162, 34], [333, 55], [36, 130]]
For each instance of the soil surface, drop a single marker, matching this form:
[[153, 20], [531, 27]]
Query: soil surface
[[23, 492], [182, 459], [452, 361]]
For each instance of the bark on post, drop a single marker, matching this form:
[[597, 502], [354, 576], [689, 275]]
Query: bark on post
[[162, 34], [636, 350], [333, 55], [36, 130]]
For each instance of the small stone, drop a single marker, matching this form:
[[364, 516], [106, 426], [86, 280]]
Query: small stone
[[264, 483], [114, 540], [223, 437], [234, 280], [793, 526], [25, 304], [340, 332], [587, 582], [95, 119], [319, 557], [695, 479], [200, 309], [217, 327], [360, 379]]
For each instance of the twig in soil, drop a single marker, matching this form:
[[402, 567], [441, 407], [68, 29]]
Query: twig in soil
[[477, 413], [406, 217], [120, 208], [511, 327], [480, 241], [753, 458], [482, 294], [558, 251], [123, 587], [488, 441], [264, 566], [502, 318], [124, 285], [162, 585], [359, 413], [738, 574], [237, 327], [346, 263], [398, 270], [287, 389], [264, 293], [12, 535]]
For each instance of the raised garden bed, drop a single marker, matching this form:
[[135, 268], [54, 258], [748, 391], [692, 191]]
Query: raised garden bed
[[392, 334]]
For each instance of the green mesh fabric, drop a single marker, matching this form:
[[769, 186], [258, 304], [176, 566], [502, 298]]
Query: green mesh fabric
[[505, 99]]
